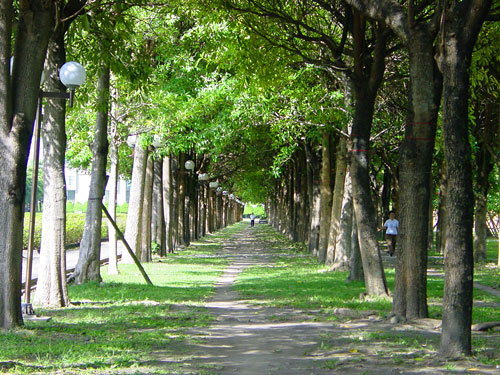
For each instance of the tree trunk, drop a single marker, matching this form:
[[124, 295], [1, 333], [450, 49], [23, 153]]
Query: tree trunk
[[415, 159], [442, 213], [168, 204], [338, 197], [134, 215], [484, 166], [88, 266], [360, 140], [158, 231], [51, 289], [112, 186], [326, 197], [356, 269], [182, 172], [17, 113], [344, 244], [145, 253], [460, 30], [302, 209], [174, 174], [313, 171]]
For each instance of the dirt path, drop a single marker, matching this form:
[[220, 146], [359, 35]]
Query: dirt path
[[250, 340], [247, 340]]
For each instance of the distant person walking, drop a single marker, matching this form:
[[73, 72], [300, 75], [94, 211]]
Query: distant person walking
[[391, 232], [252, 219]]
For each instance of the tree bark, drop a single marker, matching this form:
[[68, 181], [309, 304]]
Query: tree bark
[[326, 197], [18, 104], [168, 203], [112, 186], [343, 240], [460, 28], [181, 240], [365, 93], [313, 171], [134, 215], [356, 268], [51, 289], [416, 150], [158, 231], [336, 213], [145, 254], [174, 173], [415, 159], [484, 166], [88, 265], [442, 213]]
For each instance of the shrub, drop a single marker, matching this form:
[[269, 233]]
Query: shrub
[[75, 222], [123, 209]]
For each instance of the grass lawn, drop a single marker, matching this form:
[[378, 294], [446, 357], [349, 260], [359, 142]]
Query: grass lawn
[[119, 322], [301, 282], [116, 325]]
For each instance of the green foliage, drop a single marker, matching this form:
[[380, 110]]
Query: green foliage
[[258, 209], [123, 208], [75, 222], [29, 184]]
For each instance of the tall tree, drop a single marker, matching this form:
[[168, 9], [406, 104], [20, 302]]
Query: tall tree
[[460, 27], [417, 27], [18, 105], [89, 259], [134, 216]]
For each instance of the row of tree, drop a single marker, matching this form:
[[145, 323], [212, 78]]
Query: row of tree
[[279, 98], [358, 43]]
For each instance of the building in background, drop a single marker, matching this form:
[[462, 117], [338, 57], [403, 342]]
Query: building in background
[[78, 187]]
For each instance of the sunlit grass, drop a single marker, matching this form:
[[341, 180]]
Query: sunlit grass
[[119, 322], [300, 282]]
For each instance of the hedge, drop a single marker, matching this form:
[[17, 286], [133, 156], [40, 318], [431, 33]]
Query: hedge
[[75, 222]]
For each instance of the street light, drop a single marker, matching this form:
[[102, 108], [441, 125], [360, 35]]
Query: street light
[[213, 185], [72, 75], [132, 140], [157, 141], [203, 177], [189, 165]]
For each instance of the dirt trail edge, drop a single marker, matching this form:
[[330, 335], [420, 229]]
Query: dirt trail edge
[[255, 340]]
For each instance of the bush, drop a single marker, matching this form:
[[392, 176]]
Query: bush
[[70, 207], [123, 209], [75, 222]]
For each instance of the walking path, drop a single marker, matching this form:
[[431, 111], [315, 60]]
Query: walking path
[[244, 340], [256, 340]]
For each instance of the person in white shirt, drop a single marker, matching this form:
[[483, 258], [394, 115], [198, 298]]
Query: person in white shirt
[[391, 232], [252, 219]]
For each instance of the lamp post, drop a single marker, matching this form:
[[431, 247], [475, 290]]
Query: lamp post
[[72, 75], [189, 165]]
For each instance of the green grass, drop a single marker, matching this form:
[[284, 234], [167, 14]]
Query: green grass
[[119, 322], [301, 282]]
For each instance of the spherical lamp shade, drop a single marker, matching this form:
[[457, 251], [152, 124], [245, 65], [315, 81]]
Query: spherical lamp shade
[[132, 140], [203, 177], [231, 196], [72, 74], [213, 184], [224, 192], [157, 141], [189, 165]]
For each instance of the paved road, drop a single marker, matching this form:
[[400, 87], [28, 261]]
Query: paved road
[[71, 258]]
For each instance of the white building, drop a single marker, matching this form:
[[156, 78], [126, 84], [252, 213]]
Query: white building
[[78, 187]]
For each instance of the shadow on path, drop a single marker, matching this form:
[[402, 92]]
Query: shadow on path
[[256, 340]]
